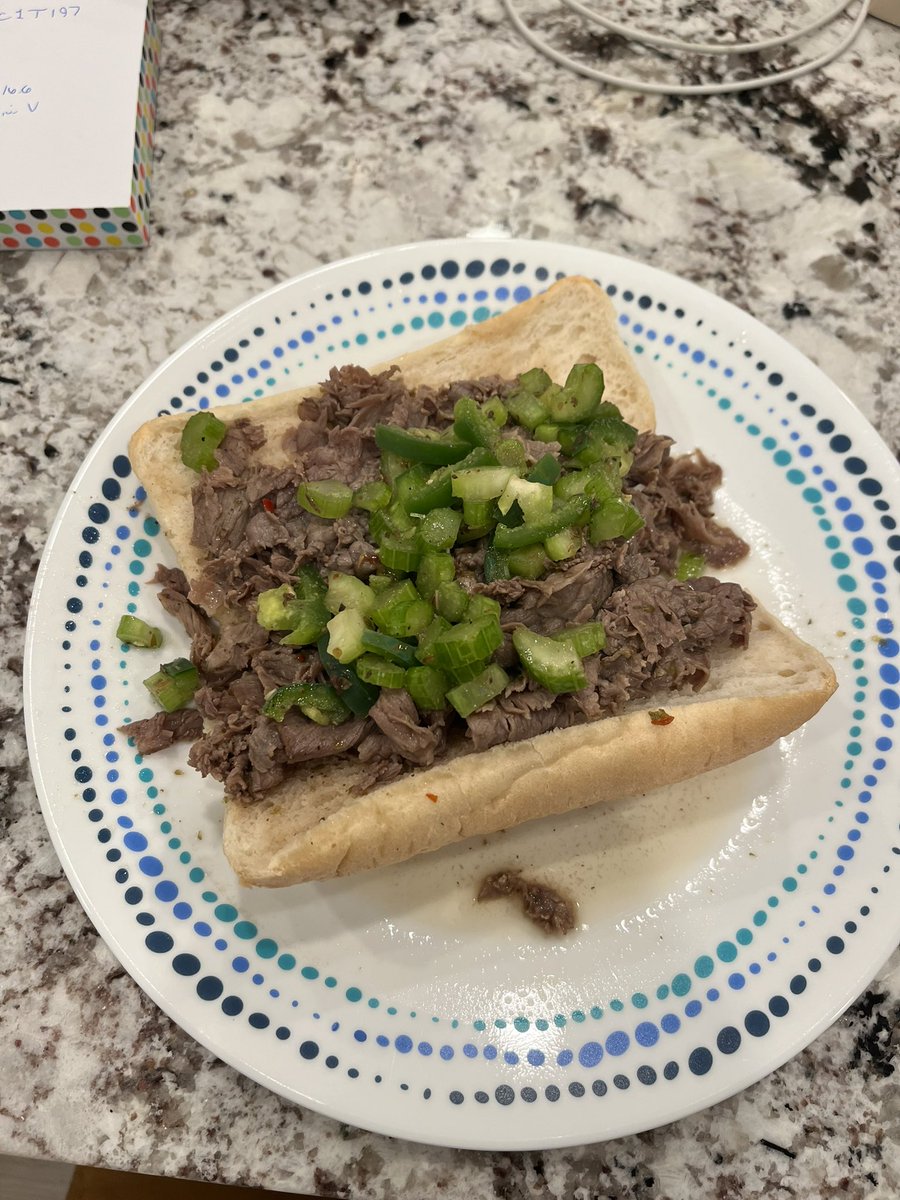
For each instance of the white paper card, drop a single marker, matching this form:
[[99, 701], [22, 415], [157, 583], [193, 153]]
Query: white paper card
[[69, 78]]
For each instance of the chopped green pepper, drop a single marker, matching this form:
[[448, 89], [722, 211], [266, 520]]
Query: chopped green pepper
[[428, 688], [554, 664], [690, 566], [310, 585], [434, 569], [174, 684], [477, 484], [535, 381], [578, 400], [466, 698], [399, 553], [372, 496], [135, 632], [278, 608], [358, 696], [389, 521], [534, 499], [585, 640], [468, 642], [202, 435], [526, 409], [563, 545], [545, 470], [614, 518], [477, 515], [372, 669], [529, 562], [318, 701], [465, 673], [564, 514], [451, 601], [427, 638], [416, 447], [423, 488], [346, 591], [393, 649], [495, 411], [606, 436], [392, 466], [401, 612], [472, 425], [483, 606], [439, 528], [345, 634], [511, 453], [309, 620], [325, 498], [495, 565]]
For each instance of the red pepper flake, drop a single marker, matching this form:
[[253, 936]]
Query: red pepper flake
[[659, 716], [432, 797], [268, 505]]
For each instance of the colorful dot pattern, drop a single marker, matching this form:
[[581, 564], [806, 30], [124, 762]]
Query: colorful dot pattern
[[100, 228], [236, 967]]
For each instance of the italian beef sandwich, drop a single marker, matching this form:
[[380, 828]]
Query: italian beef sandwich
[[439, 598]]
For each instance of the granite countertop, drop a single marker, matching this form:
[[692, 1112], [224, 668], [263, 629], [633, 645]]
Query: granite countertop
[[288, 141]]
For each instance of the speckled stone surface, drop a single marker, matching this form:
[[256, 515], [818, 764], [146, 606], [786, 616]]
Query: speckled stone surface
[[290, 140]]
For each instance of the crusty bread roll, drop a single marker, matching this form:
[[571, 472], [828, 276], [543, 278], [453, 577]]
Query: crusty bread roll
[[313, 827]]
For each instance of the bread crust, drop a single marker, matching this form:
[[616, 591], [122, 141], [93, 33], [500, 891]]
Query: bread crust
[[313, 826]]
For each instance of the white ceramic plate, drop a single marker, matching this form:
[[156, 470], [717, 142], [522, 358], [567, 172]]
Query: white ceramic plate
[[726, 921]]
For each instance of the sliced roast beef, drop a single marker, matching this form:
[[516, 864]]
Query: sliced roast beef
[[222, 753], [234, 578], [221, 513], [719, 545], [198, 627], [303, 740], [159, 732], [348, 454], [540, 903], [262, 481], [265, 751], [278, 666], [379, 761], [244, 694], [521, 712], [675, 497], [650, 451], [660, 633], [171, 577], [397, 717], [315, 415], [231, 654], [353, 552], [265, 530], [437, 403], [364, 399], [237, 447], [567, 596]]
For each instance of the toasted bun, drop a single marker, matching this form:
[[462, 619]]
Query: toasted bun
[[572, 321], [313, 827]]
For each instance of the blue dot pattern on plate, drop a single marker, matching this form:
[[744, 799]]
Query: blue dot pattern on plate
[[166, 893]]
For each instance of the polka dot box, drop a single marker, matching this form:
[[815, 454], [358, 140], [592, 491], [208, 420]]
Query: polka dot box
[[115, 225]]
